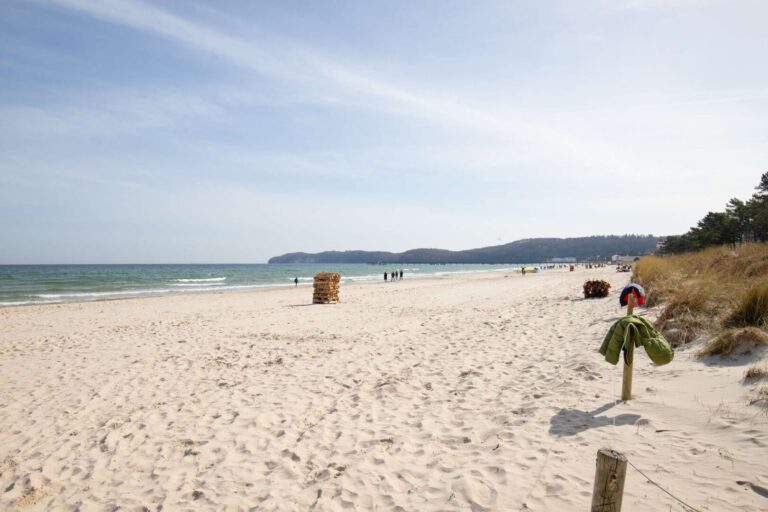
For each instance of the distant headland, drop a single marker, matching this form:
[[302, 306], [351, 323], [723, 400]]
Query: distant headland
[[530, 250]]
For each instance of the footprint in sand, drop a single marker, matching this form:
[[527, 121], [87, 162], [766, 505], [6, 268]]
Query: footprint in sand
[[477, 492]]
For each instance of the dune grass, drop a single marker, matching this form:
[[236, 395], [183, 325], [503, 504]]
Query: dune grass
[[756, 372], [708, 291], [652, 272], [761, 397], [688, 311], [752, 309], [735, 342]]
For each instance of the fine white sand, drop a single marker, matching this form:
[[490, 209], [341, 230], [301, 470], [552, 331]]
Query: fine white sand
[[475, 392]]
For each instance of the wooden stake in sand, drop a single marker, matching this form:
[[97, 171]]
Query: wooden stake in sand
[[626, 383], [609, 481]]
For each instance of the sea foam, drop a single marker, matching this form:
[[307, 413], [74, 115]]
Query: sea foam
[[204, 280]]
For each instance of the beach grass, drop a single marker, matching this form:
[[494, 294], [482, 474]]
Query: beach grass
[[756, 372], [704, 291], [736, 341], [760, 397], [752, 309]]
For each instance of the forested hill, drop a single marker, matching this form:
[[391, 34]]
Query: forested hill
[[532, 250]]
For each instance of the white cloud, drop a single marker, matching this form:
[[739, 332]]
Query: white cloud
[[289, 61]]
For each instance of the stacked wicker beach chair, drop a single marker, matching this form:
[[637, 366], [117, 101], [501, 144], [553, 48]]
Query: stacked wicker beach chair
[[326, 288]]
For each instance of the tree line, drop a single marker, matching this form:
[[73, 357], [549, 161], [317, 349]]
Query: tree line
[[741, 222]]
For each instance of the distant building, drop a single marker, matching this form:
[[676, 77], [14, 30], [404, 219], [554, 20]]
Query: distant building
[[661, 244], [562, 260], [617, 259]]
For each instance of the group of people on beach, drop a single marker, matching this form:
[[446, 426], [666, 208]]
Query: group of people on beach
[[393, 276]]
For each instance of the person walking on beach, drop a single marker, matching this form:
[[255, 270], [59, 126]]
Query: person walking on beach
[[401, 274], [296, 281], [385, 277]]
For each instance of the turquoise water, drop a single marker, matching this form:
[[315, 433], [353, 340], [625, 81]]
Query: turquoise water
[[50, 284]]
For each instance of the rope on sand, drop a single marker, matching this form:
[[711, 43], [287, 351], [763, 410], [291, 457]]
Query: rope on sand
[[684, 504], [524, 506]]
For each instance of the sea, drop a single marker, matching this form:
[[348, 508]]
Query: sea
[[22, 285]]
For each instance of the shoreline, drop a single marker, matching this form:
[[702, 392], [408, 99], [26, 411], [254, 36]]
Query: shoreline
[[259, 290], [235, 288]]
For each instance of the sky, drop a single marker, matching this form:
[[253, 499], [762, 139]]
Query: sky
[[233, 131]]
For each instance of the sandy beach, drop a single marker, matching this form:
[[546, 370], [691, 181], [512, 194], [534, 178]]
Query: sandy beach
[[467, 392]]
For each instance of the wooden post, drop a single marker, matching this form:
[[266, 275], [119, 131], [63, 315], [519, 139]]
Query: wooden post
[[609, 481], [626, 383]]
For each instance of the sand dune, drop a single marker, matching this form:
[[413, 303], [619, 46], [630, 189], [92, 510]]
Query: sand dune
[[477, 392]]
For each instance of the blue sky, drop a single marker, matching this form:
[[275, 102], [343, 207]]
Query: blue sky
[[232, 131]]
